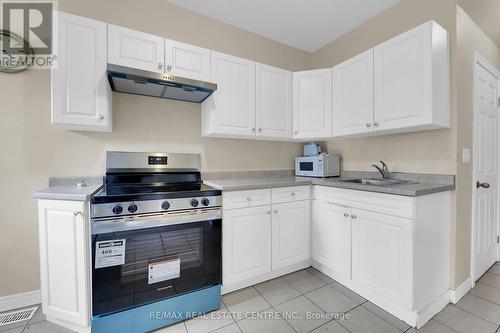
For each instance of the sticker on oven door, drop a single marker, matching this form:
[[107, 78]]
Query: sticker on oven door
[[164, 270], [110, 253]]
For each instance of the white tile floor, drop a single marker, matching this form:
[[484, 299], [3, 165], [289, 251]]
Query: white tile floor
[[281, 305]]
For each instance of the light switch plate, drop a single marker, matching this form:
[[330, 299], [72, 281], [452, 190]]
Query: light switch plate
[[466, 157]]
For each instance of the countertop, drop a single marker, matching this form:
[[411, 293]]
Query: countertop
[[427, 184], [65, 188]]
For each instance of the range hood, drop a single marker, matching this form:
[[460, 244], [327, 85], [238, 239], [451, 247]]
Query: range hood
[[138, 82]]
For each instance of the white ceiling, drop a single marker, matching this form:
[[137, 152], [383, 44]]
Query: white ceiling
[[305, 24]]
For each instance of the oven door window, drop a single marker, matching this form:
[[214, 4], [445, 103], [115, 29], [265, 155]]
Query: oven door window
[[133, 268]]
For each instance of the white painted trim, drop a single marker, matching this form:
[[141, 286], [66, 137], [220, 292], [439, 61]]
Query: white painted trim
[[434, 308], [461, 290], [478, 59], [20, 300]]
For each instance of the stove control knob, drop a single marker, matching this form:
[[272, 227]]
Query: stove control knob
[[194, 202], [165, 205], [117, 209], [205, 202], [132, 208]]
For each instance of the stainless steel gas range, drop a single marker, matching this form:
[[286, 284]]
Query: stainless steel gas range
[[156, 243]]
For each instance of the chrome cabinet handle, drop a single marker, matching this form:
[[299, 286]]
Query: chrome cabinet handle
[[275, 212], [375, 124], [368, 125], [249, 199], [77, 212], [169, 68], [268, 212], [160, 65], [260, 129], [100, 116], [353, 217], [346, 215], [253, 129], [483, 185], [296, 132], [292, 194]]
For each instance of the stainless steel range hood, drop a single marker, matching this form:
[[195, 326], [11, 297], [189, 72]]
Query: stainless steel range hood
[[138, 82]]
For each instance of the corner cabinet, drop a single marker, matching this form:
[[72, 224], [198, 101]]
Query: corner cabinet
[[265, 234], [312, 104], [412, 81], [64, 260], [80, 93]]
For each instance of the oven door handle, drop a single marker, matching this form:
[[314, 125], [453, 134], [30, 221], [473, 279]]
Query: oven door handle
[[102, 226]]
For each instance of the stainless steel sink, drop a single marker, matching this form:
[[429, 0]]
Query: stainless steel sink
[[379, 181]]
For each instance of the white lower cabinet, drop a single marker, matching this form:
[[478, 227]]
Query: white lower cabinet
[[332, 237], [290, 233], [263, 238], [246, 239], [392, 250], [64, 261], [382, 255]]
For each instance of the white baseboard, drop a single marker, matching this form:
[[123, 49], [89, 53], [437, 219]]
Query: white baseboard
[[434, 308], [462, 289], [20, 300]]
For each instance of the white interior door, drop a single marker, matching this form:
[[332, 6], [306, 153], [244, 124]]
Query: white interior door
[[485, 167]]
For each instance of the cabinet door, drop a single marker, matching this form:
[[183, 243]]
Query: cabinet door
[[246, 243], [273, 102], [64, 260], [332, 237], [353, 95], [187, 60], [81, 96], [290, 233], [232, 107], [382, 255], [403, 80], [312, 104], [135, 49]]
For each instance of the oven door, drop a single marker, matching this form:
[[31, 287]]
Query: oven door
[[146, 259]]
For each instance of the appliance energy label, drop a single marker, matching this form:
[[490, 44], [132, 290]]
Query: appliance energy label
[[110, 253]]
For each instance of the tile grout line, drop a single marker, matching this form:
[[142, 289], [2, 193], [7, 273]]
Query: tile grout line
[[475, 315], [272, 306], [384, 319]]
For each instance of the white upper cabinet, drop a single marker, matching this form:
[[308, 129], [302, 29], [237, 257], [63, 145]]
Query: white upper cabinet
[[273, 102], [312, 104], [187, 60], [353, 95], [131, 48], [230, 111], [80, 92], [412, 81]]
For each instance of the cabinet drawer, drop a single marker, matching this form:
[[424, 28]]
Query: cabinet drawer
[[289, 194], [389, 204], [243, 199]]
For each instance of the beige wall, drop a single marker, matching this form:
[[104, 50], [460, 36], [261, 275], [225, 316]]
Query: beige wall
[[470, 38], [33, 149]]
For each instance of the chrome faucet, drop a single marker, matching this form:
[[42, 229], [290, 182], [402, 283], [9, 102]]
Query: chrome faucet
[[384, 171]]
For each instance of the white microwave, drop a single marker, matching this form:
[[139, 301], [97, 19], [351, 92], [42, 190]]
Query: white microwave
[[322, 165]]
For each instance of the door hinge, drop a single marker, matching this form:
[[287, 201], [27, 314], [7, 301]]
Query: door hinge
[[498, 239], [498, 102]]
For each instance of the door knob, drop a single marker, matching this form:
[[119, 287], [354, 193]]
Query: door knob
[[368, 125], [483, 185]]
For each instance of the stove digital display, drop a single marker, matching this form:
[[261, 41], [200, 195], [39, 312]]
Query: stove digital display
[[157, 160]]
